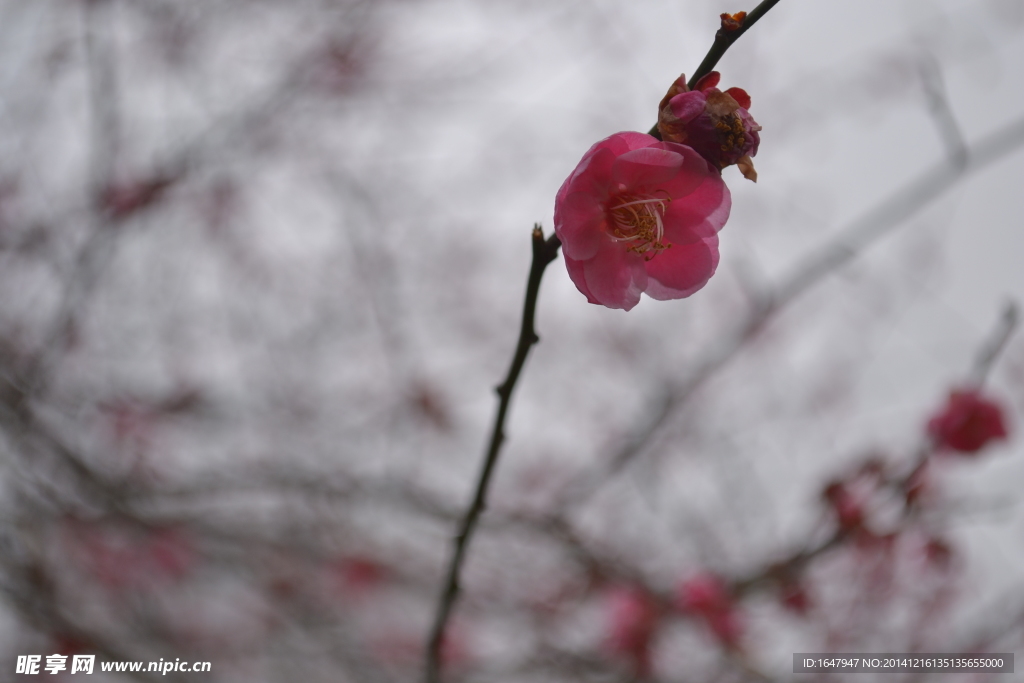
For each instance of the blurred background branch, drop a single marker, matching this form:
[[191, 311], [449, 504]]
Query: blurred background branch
[[259, 260]]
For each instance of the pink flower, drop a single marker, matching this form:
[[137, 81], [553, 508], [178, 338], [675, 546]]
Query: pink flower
[[707, 597], [715, 123], [848, 507], [640, 215], [356, 576], [967, 422], [634, 623]]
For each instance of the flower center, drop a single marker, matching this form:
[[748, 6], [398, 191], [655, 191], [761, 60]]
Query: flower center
[[731, 133], [639, 222]]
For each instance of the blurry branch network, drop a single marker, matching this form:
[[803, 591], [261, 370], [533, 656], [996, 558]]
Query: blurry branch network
[[62, 483], [851, 528]]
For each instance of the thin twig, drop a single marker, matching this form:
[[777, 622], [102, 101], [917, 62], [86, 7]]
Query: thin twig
[[104, 145], [942, 111], [544, 252], [990, 352], [724, 38]]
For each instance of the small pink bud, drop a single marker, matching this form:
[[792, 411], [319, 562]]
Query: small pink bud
[[716, 124]]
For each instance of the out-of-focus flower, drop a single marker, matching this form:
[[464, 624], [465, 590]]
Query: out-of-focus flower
[[124, 558], [634, 622], [938, 553], [794, 597], [707, 597], [967, 422], [356, 576], [640, 215], [848, 507], [715, 123]]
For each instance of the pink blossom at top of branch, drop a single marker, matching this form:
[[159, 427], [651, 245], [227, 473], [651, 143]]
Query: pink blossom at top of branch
[[640, 215], [967, 423], [715, 123]]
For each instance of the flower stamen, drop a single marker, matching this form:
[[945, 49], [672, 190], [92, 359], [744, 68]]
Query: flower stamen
[[640, 221]]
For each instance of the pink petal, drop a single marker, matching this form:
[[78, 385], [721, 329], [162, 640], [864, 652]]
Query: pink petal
[[575, 269], [740, 95], [708, 81], [579, 224], [615, 277], [683, 269], [579, 205], [620, 143], [693, 171], [688, 105], [703, 212], [593, 174], [635, 140], [645, 168]]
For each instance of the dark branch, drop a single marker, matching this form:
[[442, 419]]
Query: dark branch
[[724, 40], [990, 352], [544, 252]]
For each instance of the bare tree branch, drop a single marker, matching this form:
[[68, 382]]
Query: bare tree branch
[[544, 252]]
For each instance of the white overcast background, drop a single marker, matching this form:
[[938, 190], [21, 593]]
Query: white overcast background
[[378, 243]]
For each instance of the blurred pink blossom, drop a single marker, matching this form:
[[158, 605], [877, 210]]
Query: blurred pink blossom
[[706, 596], [634, 622], [967, 422], [848, 507], [124, 558], [356, 576], [640, 215]]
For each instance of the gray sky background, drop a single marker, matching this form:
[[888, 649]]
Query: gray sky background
[[378, 243]]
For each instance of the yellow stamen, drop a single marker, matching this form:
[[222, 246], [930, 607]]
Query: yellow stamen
[[640, 222]]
